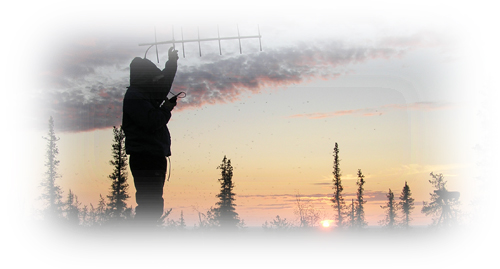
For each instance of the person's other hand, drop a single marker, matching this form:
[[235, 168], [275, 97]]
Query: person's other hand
[[170, 104]]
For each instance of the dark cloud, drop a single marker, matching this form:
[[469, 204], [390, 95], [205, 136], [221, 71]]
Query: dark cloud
[[75, 110], [83, 58], [86, 87], [225, 80]]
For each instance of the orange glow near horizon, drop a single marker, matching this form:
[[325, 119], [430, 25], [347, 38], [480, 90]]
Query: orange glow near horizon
[[326, 223]]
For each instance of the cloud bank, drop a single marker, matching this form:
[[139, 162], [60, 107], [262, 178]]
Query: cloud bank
[[84, 89]]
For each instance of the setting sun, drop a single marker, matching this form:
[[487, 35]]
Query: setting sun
[[326, 223]]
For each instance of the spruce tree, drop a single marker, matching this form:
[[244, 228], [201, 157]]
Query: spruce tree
[[406, 204], [337, 199], [182, 223], [442, 204], [99, 214], [391, 208], [72, 209], [224, 213], [277, 224], [352, 215], [51, 193], [117, 205], [86, 216], [360, 212]]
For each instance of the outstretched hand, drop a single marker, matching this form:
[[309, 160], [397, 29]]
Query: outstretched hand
[[172, 54]]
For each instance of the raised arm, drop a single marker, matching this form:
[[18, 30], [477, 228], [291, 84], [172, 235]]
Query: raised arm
[[169, 71]]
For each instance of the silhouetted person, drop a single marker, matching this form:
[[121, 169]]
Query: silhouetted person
[[147, 139]]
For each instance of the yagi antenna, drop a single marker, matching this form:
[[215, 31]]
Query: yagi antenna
[[199, 40]]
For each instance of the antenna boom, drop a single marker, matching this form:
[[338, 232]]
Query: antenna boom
[[197, 40]]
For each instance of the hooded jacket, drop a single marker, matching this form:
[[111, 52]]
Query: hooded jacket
[[144, 121]]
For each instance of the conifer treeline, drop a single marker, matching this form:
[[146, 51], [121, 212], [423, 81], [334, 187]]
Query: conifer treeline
[[443, 205], [113, 209]]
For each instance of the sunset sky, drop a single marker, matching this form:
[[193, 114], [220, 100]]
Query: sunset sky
[[397, 92]]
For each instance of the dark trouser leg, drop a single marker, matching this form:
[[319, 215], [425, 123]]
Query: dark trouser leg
[[149, 178]]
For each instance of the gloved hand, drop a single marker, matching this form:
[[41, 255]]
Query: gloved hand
[[170, 104], [172, 54], [173, 100]]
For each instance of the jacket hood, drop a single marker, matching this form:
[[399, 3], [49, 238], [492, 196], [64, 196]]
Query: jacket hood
[[142, 72]]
